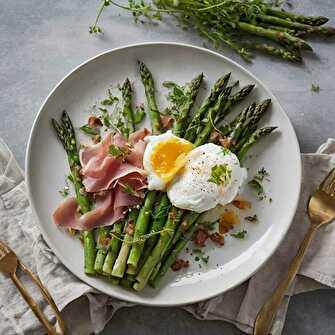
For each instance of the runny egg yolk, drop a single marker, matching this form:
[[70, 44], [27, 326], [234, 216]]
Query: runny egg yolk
[[169, 156]]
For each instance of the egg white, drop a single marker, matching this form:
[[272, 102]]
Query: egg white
[[191, 188]]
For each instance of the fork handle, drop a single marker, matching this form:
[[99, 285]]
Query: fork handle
[[33, 304], [267, 313]]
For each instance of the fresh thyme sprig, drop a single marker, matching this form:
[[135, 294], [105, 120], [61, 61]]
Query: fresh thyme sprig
[[232, 23]]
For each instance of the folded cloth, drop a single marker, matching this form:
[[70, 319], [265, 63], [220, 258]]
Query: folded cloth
[[88, 311]]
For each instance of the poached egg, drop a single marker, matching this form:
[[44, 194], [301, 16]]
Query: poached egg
[[196, 179], [211, 175]]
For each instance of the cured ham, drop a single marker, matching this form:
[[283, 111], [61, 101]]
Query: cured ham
[[108, 209], [116, 182]]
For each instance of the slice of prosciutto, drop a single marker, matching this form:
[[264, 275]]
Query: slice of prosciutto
[[108, 178], [109, 208]]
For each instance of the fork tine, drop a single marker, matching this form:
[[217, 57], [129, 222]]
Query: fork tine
[[328, 184]]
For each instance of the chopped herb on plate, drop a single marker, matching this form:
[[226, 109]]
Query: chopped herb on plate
[[240, 234]]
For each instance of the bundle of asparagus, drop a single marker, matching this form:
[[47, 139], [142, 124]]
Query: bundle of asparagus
[[242, 25], [145, 244]]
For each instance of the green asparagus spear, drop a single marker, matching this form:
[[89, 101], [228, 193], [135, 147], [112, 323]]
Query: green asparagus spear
[[192, 129], [188, 220], [66, 135], [244, 138], [296, 25], [212, 113], [172, 257], [259, 133], [278, 28], [102, 249], [238, 124], [274, 35], [159, 219], [159, 249], [290, 55], [310, 20], [141, 228], [128, 112], [191, 90], [234, 100], [114, 247], [120, 263], [149, 88]]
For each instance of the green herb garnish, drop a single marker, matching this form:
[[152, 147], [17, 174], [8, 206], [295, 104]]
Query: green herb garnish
[[205, 259], [129, 189], [261, 174], [197, 251], [121, 127], [106, 119], [210, 225], [220, 174], [256, 183], [110, 100], [315, 88], [257, 186], [64, 192], [117, 152], [240, 234], [225, 151], [89, 130], [139, 114]]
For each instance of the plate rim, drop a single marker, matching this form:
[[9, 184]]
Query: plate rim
[[125, 296]]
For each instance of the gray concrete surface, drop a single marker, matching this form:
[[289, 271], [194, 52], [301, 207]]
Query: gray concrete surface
[[42, 40]]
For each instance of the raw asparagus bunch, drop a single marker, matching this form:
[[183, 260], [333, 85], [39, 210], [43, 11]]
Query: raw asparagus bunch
[[234, 23], [66, 135]]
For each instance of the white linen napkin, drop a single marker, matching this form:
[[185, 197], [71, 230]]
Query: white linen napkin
[[88, 311]]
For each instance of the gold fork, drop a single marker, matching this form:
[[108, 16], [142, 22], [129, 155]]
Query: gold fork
[[9, 263], [321, 210]]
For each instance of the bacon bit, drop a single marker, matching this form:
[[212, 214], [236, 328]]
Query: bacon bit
[[82, 191], [225, 142], [172, 216], [215, 136], [72, 231], [227, 221], [179, 264], [200, 237], [217, 238], [184, 226], [130, 228], [241, 203], [94, 122], [104, 242], [96, 139], [166, 121]]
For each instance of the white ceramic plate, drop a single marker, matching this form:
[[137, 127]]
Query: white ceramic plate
[[46, 166]]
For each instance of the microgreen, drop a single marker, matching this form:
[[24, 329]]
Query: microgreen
[[117, 152], [240, 234], [89, 130], [220, 174], [315, 88]]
